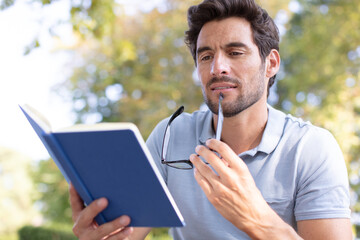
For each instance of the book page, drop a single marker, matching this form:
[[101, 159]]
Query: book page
[[38, 117], [98, 127]]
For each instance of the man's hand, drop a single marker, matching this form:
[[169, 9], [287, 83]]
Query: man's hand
[[233, 192], [86, 228]]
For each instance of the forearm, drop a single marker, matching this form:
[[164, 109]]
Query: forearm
[[270, 227]]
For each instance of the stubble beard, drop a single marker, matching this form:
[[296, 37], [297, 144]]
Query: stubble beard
[[246, 98]]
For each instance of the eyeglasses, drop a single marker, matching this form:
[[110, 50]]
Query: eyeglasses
[[179, 164], [185, 164]]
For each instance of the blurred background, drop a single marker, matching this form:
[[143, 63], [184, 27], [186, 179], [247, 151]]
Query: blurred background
[[89, 61]]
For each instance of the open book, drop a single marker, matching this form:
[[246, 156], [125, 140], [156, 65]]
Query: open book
[[110, 160]]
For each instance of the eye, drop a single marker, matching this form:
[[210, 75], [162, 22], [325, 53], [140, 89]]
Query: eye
[[205, 58], [234, 53]]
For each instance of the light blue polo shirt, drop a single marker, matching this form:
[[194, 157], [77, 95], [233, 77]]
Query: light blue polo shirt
[[298, 168]]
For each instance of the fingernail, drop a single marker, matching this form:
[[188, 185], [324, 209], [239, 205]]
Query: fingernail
[[123, 221], [197, 148], [101, 202]]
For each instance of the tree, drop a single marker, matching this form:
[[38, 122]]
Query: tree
[[16, 205], [320, 79], [52, 192], [138, 70]]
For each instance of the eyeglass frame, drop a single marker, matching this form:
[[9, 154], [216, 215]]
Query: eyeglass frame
[[166, 140]]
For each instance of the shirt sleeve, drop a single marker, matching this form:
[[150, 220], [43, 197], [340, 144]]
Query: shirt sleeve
[[323, 187]]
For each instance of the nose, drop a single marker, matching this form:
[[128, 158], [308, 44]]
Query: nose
[[220, 66]]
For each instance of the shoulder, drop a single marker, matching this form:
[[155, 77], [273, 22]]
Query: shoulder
[[320, 170], [192, 119], [184, 122], [318, 154], [310, 145], [311, 135], [286, 133], [306, 132]]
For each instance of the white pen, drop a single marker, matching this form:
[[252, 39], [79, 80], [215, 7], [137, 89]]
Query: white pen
[[220, 118]]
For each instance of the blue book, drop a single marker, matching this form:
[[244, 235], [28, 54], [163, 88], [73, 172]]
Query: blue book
[[110, 160]]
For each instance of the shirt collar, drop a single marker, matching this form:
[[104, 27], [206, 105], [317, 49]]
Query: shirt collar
[[272, 134], [207, 130], [273, 131]]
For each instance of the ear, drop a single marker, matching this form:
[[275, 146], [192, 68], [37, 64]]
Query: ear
[[272, 63]]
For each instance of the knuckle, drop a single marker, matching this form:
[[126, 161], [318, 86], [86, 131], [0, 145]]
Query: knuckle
[[75, 230], [110, 227], [102, 230], [235, 188], [222, 147], [216, 201], [119, 236], [75, 217], [126, 232], [200, 149], [221, 193]]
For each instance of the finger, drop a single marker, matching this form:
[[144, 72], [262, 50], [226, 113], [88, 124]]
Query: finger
[[76, 203], [233, 160], [87, 215], [116, 229], [202, 167], [202, 181], [124, 233], [218, 165]]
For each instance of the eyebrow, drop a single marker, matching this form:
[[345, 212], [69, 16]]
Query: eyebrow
[[202, 49], [237, 44], [229, 45]]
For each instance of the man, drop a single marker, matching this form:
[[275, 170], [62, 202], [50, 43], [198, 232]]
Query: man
[[274, 177]]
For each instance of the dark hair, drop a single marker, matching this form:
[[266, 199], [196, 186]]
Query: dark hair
[[265, 32]]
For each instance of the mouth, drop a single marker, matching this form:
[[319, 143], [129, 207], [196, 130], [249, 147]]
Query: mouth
[[222, 86]]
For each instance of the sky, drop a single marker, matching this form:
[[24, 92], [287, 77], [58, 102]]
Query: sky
[[31, 79]]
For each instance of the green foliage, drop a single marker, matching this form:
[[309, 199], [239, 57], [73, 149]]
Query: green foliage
[[16, 188], [158, 234], [273, 7], [93, 18], [6, 3], [321, 64], [10, 236], [44, 233], [143, 61], [52, 192], [35, 44]]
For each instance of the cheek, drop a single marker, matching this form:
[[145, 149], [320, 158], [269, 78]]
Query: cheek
[[247, 69], [202, 75]]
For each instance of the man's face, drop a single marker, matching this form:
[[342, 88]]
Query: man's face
[[228, 61]]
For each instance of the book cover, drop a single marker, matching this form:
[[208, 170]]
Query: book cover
[[112, 161]]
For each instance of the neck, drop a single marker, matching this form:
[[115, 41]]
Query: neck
[[244, 131]]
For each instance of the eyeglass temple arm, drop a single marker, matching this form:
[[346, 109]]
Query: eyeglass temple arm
[[177, 113]]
